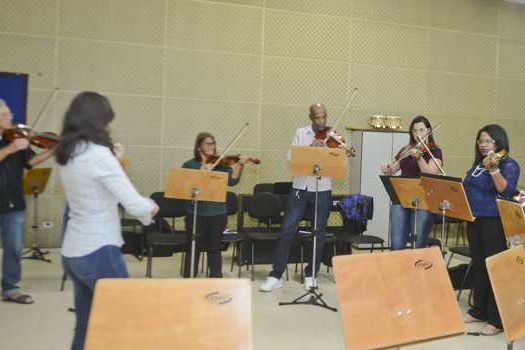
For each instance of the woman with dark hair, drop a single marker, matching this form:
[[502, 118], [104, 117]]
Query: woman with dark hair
[[493, 174], [413, 160], [94, 183], [211, 216]]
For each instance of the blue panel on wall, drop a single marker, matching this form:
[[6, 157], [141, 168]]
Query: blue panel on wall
[[13, 90]]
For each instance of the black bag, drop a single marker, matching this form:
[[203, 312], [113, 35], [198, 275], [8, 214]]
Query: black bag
[[457, 275]]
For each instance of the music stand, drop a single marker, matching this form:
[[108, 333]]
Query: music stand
[[35, 182], [381, 303], [446, 196], [132, 314], [407, 192], [512, 218], [318, 162], [196, 185], [507, 277]]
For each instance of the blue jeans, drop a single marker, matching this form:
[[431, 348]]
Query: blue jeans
[[403, 225], [12, 232], [296, 207], [106, 262]]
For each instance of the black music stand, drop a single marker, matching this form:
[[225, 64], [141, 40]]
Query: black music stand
[[35, 183]]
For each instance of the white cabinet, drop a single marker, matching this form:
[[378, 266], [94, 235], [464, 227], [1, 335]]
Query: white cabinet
[[374, 147]]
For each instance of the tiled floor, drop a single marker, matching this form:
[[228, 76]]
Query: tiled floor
[[48, 325]]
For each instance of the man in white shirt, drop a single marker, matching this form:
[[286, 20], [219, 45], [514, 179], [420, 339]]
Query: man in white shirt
[[303, 194]]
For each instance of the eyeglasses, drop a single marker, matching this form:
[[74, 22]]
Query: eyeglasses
[[6, 115], [209, 143], [422, 130], [487, 141]]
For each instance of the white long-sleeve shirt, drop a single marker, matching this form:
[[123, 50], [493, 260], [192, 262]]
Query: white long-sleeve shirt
[[94, 183], [304, 137]]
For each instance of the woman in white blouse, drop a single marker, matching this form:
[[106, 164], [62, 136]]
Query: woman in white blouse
[[94, 183]]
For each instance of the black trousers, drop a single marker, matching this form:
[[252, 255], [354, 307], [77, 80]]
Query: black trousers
[[485, 238], [209, 238]]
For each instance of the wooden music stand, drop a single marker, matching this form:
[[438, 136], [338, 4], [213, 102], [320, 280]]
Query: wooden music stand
[[34, 184], [133, 314], [381, 303], [407, 192], [446, 197], [212, 185], [512, 218], [332, 161], [319, 162], [196, 185], [507, 277]]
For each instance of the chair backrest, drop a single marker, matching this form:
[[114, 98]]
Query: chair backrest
[[282, 187], [232, 203], [263, 187], [169, 207], [264, 206]]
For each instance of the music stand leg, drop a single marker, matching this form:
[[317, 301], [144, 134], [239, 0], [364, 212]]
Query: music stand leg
[[510, 345], [444, 206], [313, 298], [35, 251], [194, 193], [416, 203]]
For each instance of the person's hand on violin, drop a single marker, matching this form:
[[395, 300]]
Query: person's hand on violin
[[118, 149], [416, 153], [18, 145], [317, 143], [491, 161], [389, 168]]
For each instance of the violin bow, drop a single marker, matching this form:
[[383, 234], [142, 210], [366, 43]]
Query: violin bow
[[431, 155], [44, 107], [230, 145], [342, 114]]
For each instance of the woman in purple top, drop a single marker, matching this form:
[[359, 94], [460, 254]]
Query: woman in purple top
[[413, 160], [490, 176]]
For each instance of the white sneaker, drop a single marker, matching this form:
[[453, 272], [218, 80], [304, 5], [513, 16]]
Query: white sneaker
[[270, 284], [309, 283]]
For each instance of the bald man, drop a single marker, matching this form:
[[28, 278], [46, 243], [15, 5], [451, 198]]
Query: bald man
[[15, 156], [300, 199]]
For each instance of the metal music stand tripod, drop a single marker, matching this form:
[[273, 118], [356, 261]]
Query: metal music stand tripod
[[196, 185], [316, 161], [35, 183]]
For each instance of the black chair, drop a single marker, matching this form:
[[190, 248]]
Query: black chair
[[235, 238], [161, 238], [262, 206], [263, 187], [462, 251]]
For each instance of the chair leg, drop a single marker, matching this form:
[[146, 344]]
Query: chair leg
[[253, 257], [233, 255], [450, 259], [63, 282], [464, 280], [203, 262], [382, 247], [287, 276], [372, 248], [150, 261], [302, 263], [239, 261], [182, 255]]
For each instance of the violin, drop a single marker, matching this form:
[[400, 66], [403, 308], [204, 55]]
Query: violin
[[333, 140], [45, 140], [230, 160], [422, 149], [492, 159]]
